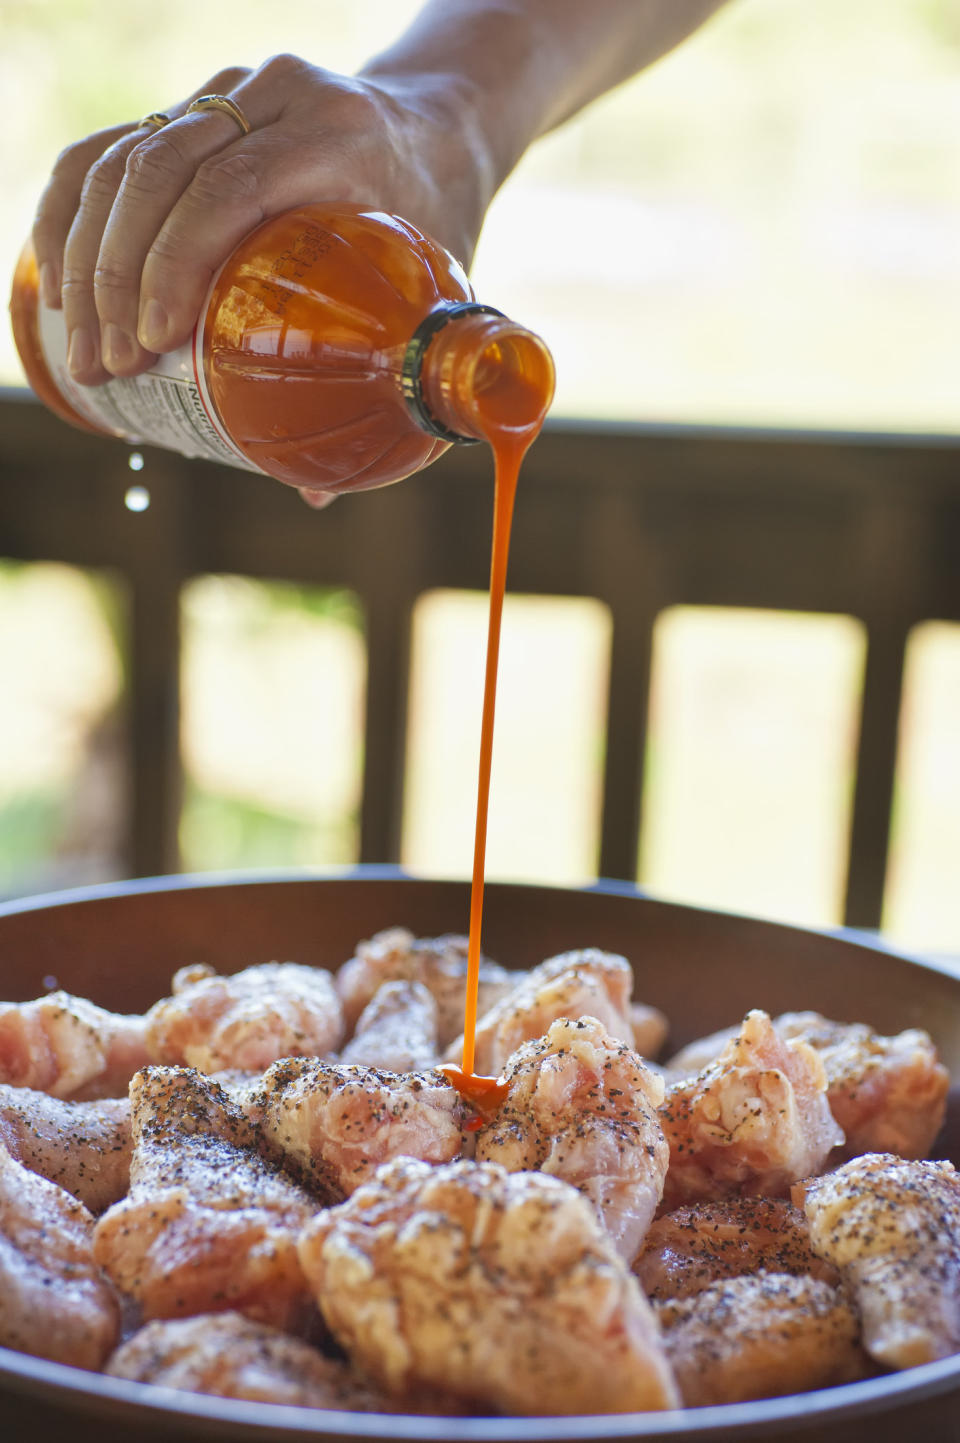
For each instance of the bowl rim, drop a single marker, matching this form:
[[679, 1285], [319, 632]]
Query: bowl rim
[[273, 1422], [364, 872], [232, 1418]]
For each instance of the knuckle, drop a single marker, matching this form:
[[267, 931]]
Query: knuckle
[[103, 178], [226, 177], [225, 80], [154, 163], [76, 287], [109, 277], [73, 160], [67, 162], [361, 116], [167, 250], [282, 67]]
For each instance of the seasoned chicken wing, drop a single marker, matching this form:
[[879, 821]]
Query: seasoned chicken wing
[[699, 1053], [54, 1302], [208, 1225], [589, 983], [760, 1336], [440, 963], [231, 1356], [499, 1286], [892, 1227], [245, 1021], [752, 1122], [888, 1094], [69, 1047], [687, 1250], [84, 1147], [333, 1125], [583, 1107], [397, 1029]]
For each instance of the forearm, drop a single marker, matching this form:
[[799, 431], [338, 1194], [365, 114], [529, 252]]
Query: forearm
[[518, 68]]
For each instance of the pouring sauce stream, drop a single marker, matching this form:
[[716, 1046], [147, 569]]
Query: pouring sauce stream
[[510, 442]]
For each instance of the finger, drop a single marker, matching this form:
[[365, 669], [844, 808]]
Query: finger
[[223, 203], [232, 192], [268, 172], [58, 205], [114, 242], [80, 256], [156, 172]]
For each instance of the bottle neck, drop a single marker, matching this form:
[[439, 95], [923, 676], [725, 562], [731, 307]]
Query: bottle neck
[[470, 374]]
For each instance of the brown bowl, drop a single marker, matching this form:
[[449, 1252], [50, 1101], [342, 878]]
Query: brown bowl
[[119, 945]]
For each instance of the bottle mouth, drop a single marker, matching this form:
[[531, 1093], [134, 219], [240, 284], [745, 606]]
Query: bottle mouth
[[511, 380], [496, 380], [411, 378]]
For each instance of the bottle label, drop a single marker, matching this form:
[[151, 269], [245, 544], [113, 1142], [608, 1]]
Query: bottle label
[[169, 405]]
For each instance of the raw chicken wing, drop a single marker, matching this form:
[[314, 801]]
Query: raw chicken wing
[[82, 1146], [231, 1356], [888, 1094], [246, 1021], [760, 1336], [333, 1125], [583, 1107], [892, 1227], [699, 1054], [208, 1225], [440, 963], [752, 1122], [54, 1302], [687, 1250], [498, 1286], [69, 1047], [589, 983], [396, 1030]]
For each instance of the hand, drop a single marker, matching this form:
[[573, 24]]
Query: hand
[[134, 223]]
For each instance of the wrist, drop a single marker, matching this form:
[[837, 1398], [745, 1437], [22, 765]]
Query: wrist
[[487, 73], [443, 151]]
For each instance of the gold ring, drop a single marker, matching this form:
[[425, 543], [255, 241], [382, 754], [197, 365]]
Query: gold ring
[[224, 103], [156, 120]]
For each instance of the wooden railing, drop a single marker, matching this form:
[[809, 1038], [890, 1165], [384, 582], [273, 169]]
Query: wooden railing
[[640, 517]]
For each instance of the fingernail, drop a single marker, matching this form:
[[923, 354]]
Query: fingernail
[[153, 326], [81, 352], [49, 286], [118, 350]]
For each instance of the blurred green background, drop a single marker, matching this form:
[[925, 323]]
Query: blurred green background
[[764, 229]]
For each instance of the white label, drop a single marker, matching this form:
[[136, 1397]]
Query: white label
[[169, 405]]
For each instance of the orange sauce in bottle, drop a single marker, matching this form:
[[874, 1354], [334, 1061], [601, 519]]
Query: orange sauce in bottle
[[306, 330], [312, 360]]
